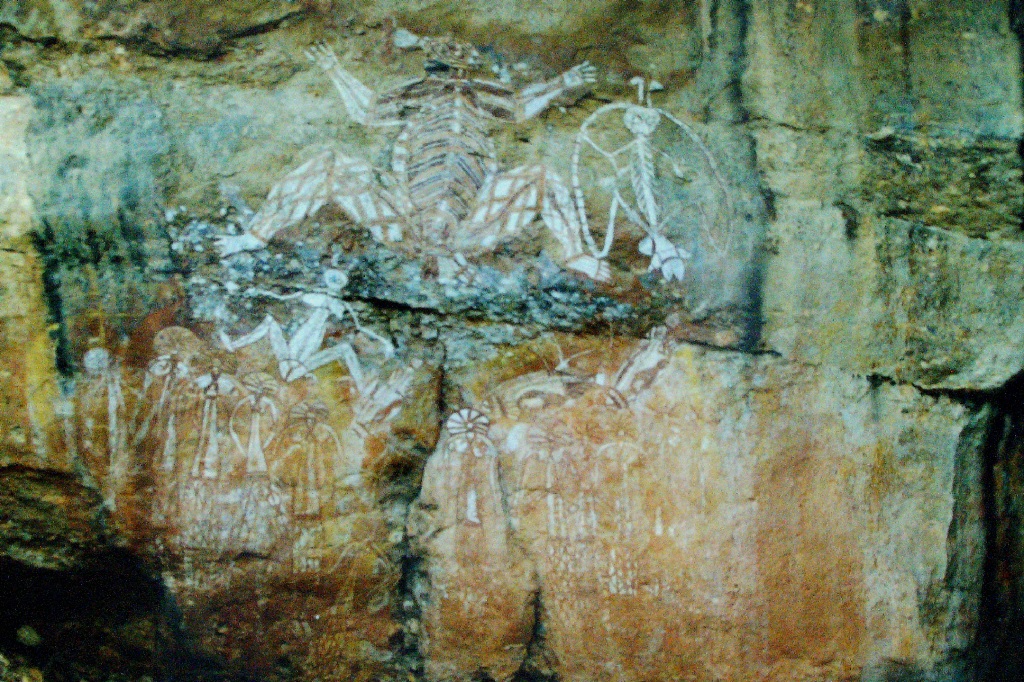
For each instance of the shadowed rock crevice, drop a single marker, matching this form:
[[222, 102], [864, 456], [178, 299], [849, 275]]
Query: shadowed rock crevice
[[537, 664], [1001, 636], [83, 623]]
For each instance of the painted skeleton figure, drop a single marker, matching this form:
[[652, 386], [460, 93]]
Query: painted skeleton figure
[[639, 200], [444, 194]]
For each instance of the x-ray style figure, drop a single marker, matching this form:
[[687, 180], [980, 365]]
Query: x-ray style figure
[[176, 348], [215, 385], [259, 403], [314, 450], [638, 160], [302, 354], [444, 194]]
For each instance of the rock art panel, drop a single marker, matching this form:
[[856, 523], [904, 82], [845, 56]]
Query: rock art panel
[[444, 194], [246, 454], [442, 198], [693, 514]]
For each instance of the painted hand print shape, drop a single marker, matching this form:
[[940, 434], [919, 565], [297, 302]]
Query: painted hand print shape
[[444, 194], [632, 181]]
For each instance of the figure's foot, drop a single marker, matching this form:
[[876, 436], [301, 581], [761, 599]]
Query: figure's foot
[[228, 245], [457, 270], [665, 256], [591, 266]]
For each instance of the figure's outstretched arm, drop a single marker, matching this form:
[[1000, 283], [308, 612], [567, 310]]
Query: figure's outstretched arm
[[535, 98], [358, 98], [248, 339], [266, 293]]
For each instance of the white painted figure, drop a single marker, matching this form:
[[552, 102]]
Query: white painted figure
[[215, 385], [444, 194], [263, 414], [315, 445], [105, 381], [640, 203], [302, 354], [469, 440]]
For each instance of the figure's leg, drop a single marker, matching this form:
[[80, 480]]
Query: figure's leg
[[507, 202], [382, 399], [560, 216], [511, 200], [343, 306], [289, 363], [343, 351], [247, 339], [328, 177]]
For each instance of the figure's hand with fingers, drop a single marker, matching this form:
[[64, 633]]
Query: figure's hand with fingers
[[580, 75], [322, 56]]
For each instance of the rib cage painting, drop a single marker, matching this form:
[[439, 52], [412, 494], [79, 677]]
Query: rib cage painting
[[281, 438], [444, 188]]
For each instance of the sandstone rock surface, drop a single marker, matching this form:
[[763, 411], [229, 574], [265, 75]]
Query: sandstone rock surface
[[696, 514], [776, 439]]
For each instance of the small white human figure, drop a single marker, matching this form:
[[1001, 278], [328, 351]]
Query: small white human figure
[[260, 403], [214, 385], [301, 355]]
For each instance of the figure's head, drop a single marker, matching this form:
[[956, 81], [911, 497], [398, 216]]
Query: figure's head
[[96, 361], [444, 54], [468, 422], [641, 120], [335, 280]]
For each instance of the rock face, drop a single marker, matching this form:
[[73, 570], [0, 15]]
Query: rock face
[[693, 513], [270, 503], [627, 341]]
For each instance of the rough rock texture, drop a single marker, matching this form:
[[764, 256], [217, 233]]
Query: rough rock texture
[[872, 138], [791, 453], [915, 303], [698, 514]]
